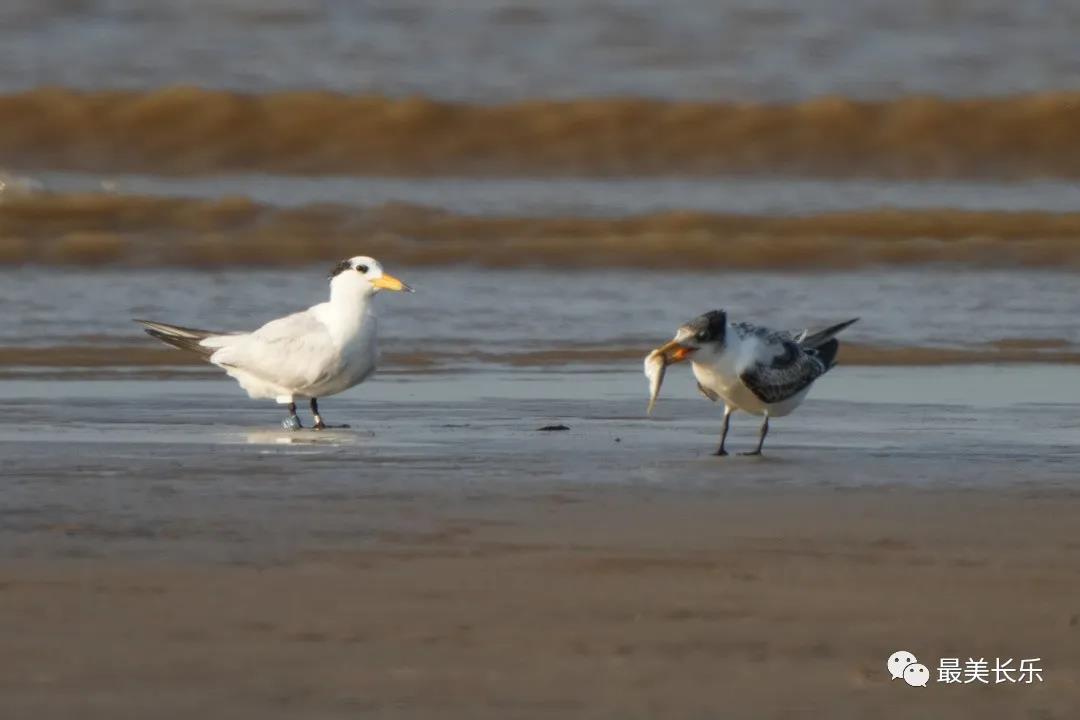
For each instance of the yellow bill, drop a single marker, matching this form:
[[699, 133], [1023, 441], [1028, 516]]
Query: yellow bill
[[389, 282]]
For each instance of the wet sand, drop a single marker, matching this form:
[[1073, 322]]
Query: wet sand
[[555, 601], [166, 552]]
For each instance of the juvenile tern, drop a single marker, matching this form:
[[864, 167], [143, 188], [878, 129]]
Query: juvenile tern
[[751, 368], [321, 351]]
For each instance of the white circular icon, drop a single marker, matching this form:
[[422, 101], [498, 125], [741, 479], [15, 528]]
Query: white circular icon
[[898, 661], [916, 675]]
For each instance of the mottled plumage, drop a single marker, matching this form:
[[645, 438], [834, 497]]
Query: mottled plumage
[[753, 368], [785, 374]]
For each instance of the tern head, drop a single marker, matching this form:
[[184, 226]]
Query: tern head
[[704, 334], [363, 276]]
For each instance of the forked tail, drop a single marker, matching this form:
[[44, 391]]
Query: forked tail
[[819, 338], [180, 337]]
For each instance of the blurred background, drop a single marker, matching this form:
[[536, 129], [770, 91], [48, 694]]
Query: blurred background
[[685, 154]]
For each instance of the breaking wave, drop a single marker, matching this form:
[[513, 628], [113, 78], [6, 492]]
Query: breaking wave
[[185, 130], [101, 229]]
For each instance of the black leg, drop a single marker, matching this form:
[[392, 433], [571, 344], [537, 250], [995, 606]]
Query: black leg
[[319, 424], [721, 452], [761, 438]]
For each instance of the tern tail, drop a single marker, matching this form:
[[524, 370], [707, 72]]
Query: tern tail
[[819, 338], [189, 339]]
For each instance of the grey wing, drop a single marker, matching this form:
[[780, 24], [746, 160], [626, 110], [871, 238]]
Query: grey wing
[[764, 335], [295, 351], [780, 368]]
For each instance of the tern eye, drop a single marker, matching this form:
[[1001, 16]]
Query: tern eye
[[362, 269], [702, 336]]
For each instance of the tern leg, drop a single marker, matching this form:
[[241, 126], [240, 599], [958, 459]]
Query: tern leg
[[723, 433], [319, 424], [292, 422], [761, 437]]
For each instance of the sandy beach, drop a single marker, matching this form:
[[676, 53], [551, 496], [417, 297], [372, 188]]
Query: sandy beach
[[556, 602], [167, 552]]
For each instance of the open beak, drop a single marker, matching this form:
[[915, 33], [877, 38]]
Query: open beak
[[673, 352], [389, 282]]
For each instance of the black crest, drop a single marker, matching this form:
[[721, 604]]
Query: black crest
[[340, 268], [709, 327]]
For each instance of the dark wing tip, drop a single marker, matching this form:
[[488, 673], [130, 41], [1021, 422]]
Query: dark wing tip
[[826, 352]]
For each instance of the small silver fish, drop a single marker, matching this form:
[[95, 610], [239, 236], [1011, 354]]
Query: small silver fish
[[655, 367]]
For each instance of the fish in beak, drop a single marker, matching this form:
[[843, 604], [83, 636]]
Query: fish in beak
[[675, 352], [656, 365]]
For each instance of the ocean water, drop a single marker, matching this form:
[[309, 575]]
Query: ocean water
[[576, 197], [569, 109], [569, 176], [469, 317], [500, 50]]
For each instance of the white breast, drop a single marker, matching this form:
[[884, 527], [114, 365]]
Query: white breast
[[719, 373], [359, 354]]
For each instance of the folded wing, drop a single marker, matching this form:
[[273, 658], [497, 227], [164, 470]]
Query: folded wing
[[780, 368], [294, 352]]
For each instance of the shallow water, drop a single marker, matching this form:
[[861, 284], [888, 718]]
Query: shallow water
[[579, 197], [458, 313]]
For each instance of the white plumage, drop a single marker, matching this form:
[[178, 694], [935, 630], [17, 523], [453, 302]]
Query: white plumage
[[317, 352]]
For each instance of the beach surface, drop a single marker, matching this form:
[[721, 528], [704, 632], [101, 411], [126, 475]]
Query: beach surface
[[167, 552]]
